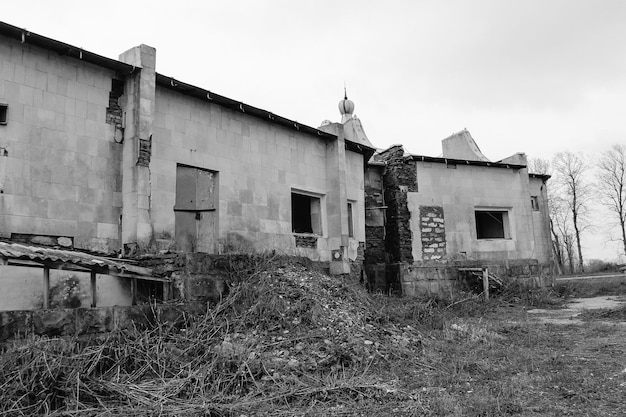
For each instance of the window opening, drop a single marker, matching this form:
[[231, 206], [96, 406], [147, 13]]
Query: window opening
[[350, 221], [306, 214], [4, 109], [534, 202], [492, 224]]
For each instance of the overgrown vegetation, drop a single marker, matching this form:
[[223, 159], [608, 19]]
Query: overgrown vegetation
[[290, 341]]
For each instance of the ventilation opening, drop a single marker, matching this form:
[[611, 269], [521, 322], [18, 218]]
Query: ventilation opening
[[492, 224], [306, 214]]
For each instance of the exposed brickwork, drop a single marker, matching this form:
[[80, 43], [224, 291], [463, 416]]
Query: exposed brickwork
[[433, 233], [399, 179], [145, 152], [306, 241], [374, 216]]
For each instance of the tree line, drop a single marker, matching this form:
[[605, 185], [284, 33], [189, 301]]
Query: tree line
[[577, 183]]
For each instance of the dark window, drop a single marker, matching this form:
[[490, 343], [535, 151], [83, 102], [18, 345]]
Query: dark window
[[305, 214], [492, 224], [4, 108], [350, 221], [534, 202]]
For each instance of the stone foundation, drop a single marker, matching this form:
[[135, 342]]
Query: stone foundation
[[87, 321]]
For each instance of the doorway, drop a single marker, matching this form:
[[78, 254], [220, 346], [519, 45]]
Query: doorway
[[196, 209]]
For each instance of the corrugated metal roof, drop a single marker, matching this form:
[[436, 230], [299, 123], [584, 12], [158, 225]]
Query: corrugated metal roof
[[47, 256]]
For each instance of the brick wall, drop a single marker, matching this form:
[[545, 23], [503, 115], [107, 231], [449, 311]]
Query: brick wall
[[433, 233]]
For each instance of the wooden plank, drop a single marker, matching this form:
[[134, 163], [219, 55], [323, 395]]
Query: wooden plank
[[93, 289], [166, 291], [46, 288], [486, 283]]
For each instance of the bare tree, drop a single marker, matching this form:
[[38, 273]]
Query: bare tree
[[612, 184], [560, 227], [539, 166], [571, 172]]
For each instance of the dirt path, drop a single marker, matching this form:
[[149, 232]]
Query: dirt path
[[571, 314]]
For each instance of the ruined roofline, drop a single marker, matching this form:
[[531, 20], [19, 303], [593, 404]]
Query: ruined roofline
[[453, 161], [63, 49], [544, 177]]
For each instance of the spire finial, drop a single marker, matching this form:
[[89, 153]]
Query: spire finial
[[346, 107]]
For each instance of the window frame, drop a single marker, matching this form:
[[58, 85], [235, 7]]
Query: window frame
[[4, 114], [506, 223], [351, 224], [321, 226], [534, 202]]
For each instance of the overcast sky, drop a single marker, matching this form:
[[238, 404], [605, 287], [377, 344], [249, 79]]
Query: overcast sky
[[533, 76]]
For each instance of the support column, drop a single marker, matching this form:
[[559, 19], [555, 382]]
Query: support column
[[139, 112], [337, 204]]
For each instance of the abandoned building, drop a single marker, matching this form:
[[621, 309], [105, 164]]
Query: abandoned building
[[113, 158], [429, 217]]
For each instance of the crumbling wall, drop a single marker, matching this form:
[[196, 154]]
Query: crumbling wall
[[399, 179], [374, 216]]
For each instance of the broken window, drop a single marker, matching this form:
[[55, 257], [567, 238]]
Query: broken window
[[306, 214], [534, 202], [492, 224], [4, 108]]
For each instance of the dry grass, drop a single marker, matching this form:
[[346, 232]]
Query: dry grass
[[292, 342]]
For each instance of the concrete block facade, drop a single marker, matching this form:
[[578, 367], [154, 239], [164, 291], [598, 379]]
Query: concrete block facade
[[61, 172], [110, 156], [258, 166]]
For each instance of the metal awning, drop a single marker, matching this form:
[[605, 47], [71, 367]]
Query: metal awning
[[40, 256], [17, 254]]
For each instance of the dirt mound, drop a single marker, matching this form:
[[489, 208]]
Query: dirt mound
[[285, 336]]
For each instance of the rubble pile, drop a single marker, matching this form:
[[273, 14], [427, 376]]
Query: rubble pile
[[286, 336]]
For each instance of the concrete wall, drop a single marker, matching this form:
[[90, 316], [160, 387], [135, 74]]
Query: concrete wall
[[106, 179], [459, 190], [355, 190], [541, 221], [258, 164], [62, 174]]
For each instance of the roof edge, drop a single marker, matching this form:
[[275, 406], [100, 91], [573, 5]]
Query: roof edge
[[64, 49], [544, 177], [441, 160], [238, 106]]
